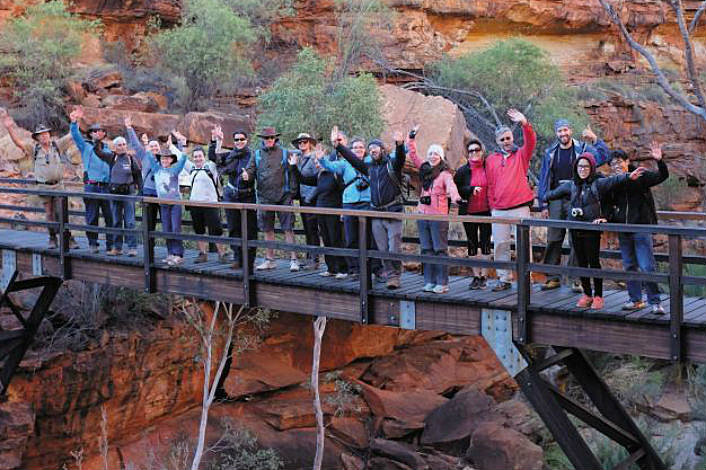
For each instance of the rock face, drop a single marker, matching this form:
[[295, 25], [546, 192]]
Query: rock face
[[16, 426], [494, 446]]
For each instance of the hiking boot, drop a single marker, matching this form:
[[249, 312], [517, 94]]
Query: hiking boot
[[393, 282], [483, 283], [52, 242], [223, 258], [236, 265], [597, 303], [428, 287], [132, 252], [294, 266], [439, 289], [584, 301], [657, 309], [201, 258], [341, 276], [475, 283], [637, 305], [551, 284], [73, 244], [501, 286], [267, 264], [576, 287]]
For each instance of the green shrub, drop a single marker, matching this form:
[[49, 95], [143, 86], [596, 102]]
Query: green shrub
[[40, 47], [309, 98], [237, 449]]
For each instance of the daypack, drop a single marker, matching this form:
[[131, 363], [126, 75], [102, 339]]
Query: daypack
[[216, 181]]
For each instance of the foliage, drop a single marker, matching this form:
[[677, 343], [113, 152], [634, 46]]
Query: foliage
[[309, 98], [238, 449], [40, 47], [344, 400], [636, 380], [206, 53], [262, 13], [509, 74]]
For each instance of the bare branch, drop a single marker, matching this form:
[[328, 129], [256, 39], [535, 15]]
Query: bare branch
[[661, 79], [688, 53], [697, 17]]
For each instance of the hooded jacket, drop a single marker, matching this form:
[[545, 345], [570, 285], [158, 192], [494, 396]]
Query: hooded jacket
[[633, 203], [232, 164], [588, 194]]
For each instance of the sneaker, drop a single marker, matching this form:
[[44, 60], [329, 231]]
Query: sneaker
[[584, 301], [551, 284], [132, 252], [640, 304], [93, 248], [501, 286], [311, 266], [114, 252], [325, 274], [294, 266], [201, 258], [393, 283], [73, 244], [597, 303], [341, 275], [576, 287], [223, 258], [475, 283], [175, 261], [439, 289], [483, 283], [52, 243], [429, 287], [380, 278], [267, 264], [657, 309]]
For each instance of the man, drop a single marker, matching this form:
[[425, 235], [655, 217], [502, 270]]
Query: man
[[509, 194], [237, 189], [557, 167], [385, 174], [96, 178], [48, 168], [634, 204], [306, 164], [269, 167]]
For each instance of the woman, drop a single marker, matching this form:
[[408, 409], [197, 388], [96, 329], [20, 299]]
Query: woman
[[586, 191], [472, 184], [437, 188], [307, 167]]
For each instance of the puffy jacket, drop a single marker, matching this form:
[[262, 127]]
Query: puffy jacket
[[95, 168], [599, 151], [633, 203], [385, 192], [349, 175], [232, 164]]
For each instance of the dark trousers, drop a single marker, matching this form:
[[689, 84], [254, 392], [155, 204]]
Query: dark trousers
[[332, 234], [478, 236], [587, 246], [171, 222], [558, 210], [350, 228], [152, 208], [235, 228], [311, 229], [93, 209]]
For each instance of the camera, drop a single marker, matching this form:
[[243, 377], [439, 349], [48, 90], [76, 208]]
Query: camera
[[426, 200], [576, 212], [413, 132], [362, 184]]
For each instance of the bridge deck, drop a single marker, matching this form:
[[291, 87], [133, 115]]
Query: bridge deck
[[554, 318]]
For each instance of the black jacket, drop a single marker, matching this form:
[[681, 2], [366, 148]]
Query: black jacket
[[232, 164], [633, 203], [462, 179], [329, 190]]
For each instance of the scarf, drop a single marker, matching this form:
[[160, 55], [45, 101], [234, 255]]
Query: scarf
[[428, 174]]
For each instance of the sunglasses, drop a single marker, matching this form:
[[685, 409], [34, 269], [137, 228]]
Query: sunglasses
[[505, 139], [270, 138], [239, 140], [474, 150]]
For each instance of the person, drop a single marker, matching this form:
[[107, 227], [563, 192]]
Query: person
[[634, 204], [166, 176], [269, 168], [146, 151], [509, 194], [205, 187], [557, 166], [125, 180], [96, 178], [328, 193], [48, 168], [587, 192], [231, 164], [437, 188], [356, 196], [472, 184], [385, 174], [308, 168]]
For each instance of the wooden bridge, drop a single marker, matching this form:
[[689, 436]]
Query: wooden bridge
[[512, 320]]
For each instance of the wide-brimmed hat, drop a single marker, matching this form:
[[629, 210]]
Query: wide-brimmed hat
[[302, 137], [40, 129], [96, 127], [268, 132], [165, 152]]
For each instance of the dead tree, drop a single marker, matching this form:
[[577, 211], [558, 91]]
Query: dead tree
[[319, 327]]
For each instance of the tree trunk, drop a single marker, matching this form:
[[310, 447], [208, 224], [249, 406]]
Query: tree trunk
[[319, 327]]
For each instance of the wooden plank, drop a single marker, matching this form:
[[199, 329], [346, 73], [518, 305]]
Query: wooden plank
[[457, 319], [308, 301]]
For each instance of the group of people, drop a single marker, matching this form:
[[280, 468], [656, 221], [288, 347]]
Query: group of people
[[361, 175]]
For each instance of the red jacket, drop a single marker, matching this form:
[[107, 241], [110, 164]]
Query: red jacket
[[507, 177]]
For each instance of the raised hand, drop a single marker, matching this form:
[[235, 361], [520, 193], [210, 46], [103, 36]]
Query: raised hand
[[335, 136], [216, 133], [477, 190], [292, 158], [656, 150], [399, 139], [319, 152], [516, 116], [635, 174], [128, 121], [181, 138], [588, 135], [600, 221], [169, 141], [7, 120], [76, 114], [244, 175]]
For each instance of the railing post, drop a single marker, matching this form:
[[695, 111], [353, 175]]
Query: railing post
[[64, 260], [364, 266], [676, 297], [245, 258], [148, 247], [523, 282]]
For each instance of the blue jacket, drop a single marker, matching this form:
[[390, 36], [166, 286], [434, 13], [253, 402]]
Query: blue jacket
[[349, 175], [95, 168], [167, 179], [599, 152], [146, 158]]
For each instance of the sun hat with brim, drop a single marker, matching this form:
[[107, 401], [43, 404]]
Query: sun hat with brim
[[40, 129], [302, 137], [168, 153], [95, 128], [268, 132]]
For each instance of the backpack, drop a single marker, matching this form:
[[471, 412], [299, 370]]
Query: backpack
[[593, 189], [51, 169], [216, 181]]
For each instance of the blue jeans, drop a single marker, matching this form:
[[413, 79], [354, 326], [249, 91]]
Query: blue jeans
[[171, 222], [124, 217], [636, 251], [93, 208], [434, 240], [350, 230]]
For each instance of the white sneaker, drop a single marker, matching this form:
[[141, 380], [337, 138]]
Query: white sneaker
[[439, 289], [294, 266], [341, 275], [657, 309], [167, 259], [267, 264], [175, 261], [325, 274], [429, 287]]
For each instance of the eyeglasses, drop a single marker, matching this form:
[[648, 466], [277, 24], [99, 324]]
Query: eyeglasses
[[474, 150], [583, 167], [239, 140], [358, 147], [616, 162], [302, 142]]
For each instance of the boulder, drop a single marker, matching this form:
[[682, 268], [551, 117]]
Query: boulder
[[103, 78], [352, 462], [382, 463], [197, 126], [494, 446], [399, 452], [449, 427], [141, 102], [441, 121], [161, 100], [351, 431], [155, 125], [16, 426]]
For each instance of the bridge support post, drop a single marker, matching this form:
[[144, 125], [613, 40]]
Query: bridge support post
[[611, 420], [523, 282], [148, 247], [248, 298], [364, 267], [676, 297], [64, 237]]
